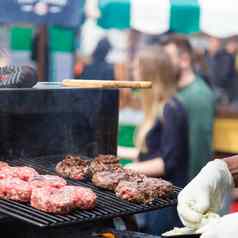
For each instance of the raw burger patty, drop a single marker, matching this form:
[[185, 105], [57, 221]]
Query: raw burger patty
[[40, 181], [109, 179], [62, 200], [143, 191], [73, 167], [52, 200], [3, 164], [24, 173], [104, 163], [15, 189], [84, 198], [7, 172]]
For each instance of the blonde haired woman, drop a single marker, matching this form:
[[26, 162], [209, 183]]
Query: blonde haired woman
[[162, 139]]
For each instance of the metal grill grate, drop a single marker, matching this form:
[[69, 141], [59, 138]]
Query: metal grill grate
[[108, 205]]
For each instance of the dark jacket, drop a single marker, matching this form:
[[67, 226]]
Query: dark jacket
[[168, 139], [221, 71], [99, 68]]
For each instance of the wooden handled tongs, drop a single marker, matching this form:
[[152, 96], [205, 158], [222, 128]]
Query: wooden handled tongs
[[74, 83]]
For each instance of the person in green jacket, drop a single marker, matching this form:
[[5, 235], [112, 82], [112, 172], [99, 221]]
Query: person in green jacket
[[198, 100]]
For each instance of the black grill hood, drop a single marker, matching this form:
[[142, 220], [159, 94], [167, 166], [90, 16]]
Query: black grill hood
[[51, 120]]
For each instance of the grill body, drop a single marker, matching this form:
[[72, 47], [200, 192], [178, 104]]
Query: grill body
[[54, 121]]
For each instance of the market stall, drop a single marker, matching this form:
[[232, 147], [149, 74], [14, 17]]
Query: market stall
[[42, 23], [156, 17], [226, 130], [180, 16]]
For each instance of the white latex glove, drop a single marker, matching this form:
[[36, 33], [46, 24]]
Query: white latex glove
[[205, 193], [226, 227]]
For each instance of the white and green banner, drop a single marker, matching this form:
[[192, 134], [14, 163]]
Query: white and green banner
[[20, 45], [66, 13], [217, 18], [61, 49]]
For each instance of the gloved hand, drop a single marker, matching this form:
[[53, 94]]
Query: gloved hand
[[205, 193], [226, 227]]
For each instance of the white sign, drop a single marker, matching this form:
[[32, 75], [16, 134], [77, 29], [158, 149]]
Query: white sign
[[42, 7]]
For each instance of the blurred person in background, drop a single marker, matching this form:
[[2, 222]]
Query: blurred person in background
[[231, 48], [200, 66], [221, 69], [99, 68], [198, 100], [232, 45], [162, 139]]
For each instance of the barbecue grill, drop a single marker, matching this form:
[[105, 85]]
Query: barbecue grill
[[108, 205], [38, 127]]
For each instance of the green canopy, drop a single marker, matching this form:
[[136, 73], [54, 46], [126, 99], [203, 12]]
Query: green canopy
[[218, 18]]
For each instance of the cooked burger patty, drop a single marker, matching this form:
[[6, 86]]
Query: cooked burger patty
[[40, 181], [73, 167], [134, 176], [104, 163], [159, 187], [132, 192], [109, 179], [15, 189], [143, 191]]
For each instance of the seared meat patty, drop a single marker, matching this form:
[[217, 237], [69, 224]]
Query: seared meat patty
[[40, 181], [143, 191], [62, 200], [109, 179], [134, 176], [73, 167], [104, 163], [132, 192], [159, 187], [15, 189]]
